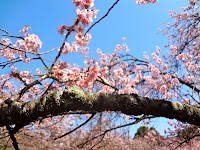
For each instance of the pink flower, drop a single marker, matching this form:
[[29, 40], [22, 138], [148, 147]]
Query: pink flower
[[87, 115], [85, 16], [174, 49], [84, 50], [38, 71], [95, 11], [62, 28], [192, 2], [190, 78], [157, 50], [25, 29], [77, 2], [166, 77], [87, 62], [146, 57], [118, 48], [8, 54], [74, 47], [180, 57], [13, 68], [139, 2], [82, 40], [154, 70], [163, 89], [168, 95], [174, 81], [81, 13], [87, 3], [5, 41], [26, 60], [84, 3], [66, 48], [31, 43]]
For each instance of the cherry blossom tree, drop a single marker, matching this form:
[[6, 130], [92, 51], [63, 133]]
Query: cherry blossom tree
[[66, 106]]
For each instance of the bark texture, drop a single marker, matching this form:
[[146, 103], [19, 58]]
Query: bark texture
[[74, 98]]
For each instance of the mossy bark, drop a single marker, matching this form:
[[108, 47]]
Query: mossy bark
[[74, 98]]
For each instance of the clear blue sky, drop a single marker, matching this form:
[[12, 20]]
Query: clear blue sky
[[138, 23]]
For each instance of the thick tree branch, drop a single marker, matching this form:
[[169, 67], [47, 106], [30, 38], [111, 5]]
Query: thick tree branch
[[73, 98]]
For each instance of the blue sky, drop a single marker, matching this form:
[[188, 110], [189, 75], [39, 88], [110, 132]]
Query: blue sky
[[138, 23]]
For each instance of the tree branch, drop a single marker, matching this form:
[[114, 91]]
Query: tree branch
[[11, 134], [75, 99], [76, 127], [109, 130], [102, 17]]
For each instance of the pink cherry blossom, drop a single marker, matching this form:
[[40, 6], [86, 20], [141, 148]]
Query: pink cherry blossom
[[145, 1], [163, 89], [66, 48], [24, 30], [84, 3], [82, 40], [192, 2], [62, 28], [173, 77]]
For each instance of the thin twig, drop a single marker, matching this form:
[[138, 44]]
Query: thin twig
[[76, 127], [19, 37], [103, 134], [36, 54], [102, 17], [4, 31], [63, 44], [48, 51], [105, 83]]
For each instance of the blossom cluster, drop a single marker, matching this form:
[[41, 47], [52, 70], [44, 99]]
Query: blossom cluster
[[85, 15], [139, 2], [24, 30], [62, 28], [67, 48], [6, 53], [30, 43], [84, 3], [82, 40], [116, 72], [192, 2]]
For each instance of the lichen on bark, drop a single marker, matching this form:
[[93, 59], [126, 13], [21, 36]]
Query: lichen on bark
[[74, 93]]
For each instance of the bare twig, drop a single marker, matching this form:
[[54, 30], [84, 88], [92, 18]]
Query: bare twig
[[30, 85], [48, 51], [104, 133], [19, 37], [4, 31], [102, 17], [187, 140], [36, 54], [76, 127], [105, 83]]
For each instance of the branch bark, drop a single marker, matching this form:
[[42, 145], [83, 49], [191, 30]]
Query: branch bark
[[73, 99], [14, 141]]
